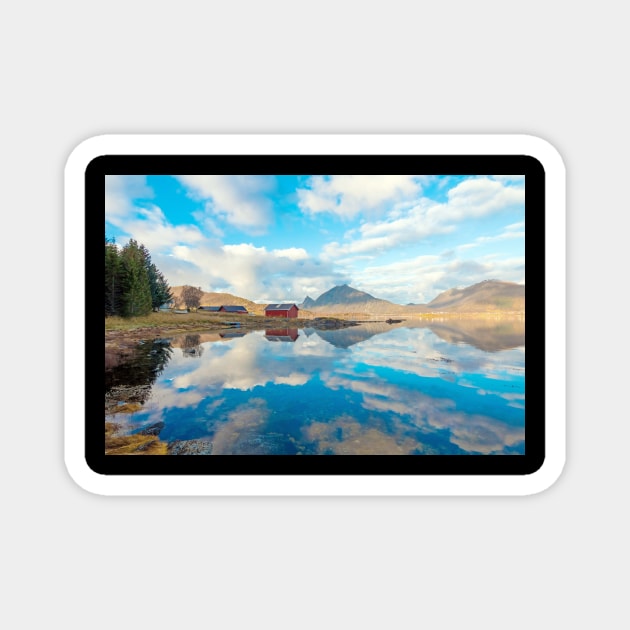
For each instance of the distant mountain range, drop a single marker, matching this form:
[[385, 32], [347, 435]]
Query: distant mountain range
[[486, 296], [345, 298], [489, 295]]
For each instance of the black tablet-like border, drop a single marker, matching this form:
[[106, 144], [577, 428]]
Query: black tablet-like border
[[508, 164]]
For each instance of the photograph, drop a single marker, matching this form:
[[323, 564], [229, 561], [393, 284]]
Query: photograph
[[314, 314]]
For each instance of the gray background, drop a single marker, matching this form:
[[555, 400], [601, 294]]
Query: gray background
[[72, 70]]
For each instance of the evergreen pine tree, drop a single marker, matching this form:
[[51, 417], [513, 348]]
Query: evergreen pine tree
[[133, 284], [113, 288], [160, 290], [136, 290]]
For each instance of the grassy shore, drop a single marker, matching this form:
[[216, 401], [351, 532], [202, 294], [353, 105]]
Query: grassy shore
[[124, 333], [203, 320], [166, 319], [199, 320]]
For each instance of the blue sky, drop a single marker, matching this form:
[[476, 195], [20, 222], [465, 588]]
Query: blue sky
[[280, 238]]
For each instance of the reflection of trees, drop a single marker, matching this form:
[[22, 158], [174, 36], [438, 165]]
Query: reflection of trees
[[131, 380], [191, 346]]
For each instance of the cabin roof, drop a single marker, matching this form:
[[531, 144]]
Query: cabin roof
[[234, 309], [280, 307]]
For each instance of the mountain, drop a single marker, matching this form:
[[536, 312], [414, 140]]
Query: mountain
[[489, 295], [486, 296], [217, 299], [346, 299]]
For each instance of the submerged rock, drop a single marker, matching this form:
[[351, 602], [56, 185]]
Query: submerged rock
[[264, 444], [190, 447], [153, 429]]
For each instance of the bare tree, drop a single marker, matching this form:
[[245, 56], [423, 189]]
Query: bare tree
[[192, 296]]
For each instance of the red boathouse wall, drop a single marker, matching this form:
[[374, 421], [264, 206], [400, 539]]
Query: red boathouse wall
[[292, 312]]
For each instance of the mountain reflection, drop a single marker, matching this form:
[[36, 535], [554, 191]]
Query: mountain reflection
[[484, 334], [346, 337], [412, 388]]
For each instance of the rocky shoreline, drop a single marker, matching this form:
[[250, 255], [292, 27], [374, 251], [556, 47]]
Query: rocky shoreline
[[126, 340]]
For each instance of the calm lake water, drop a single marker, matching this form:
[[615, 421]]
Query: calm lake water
[[452, 387]]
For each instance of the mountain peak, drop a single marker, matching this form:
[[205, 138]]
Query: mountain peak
[[487, 295], [308, 302], [343, 296]]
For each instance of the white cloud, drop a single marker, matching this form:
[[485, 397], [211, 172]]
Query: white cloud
[[477, 197], [505, 235], [292, 253], [185, 256], [348, 195], [377, 237], [470, 199], [240, 200], [150, 227], [395, 218], [127, 208], [419, 279], [255, 273], [120, 191]]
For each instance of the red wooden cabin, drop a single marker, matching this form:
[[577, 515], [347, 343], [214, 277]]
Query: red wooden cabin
[[281, 310]]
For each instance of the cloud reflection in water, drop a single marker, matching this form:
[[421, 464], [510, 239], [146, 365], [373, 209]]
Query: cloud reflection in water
[[370, 389]]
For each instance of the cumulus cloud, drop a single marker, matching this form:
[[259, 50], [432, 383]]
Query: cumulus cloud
[[120, 193], [373, 238], [510, 232], [186, 256], [348, 195], [394, 218], [254, 272], [477, 197], [128, 208], [420, 278], [239, 200], [470, 199]]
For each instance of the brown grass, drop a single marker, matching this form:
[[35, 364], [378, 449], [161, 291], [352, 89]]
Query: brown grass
[[195, 321], [131, 407], [168, 320], [131, 444]]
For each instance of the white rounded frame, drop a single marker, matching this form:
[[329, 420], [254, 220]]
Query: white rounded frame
[[315, 485]]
